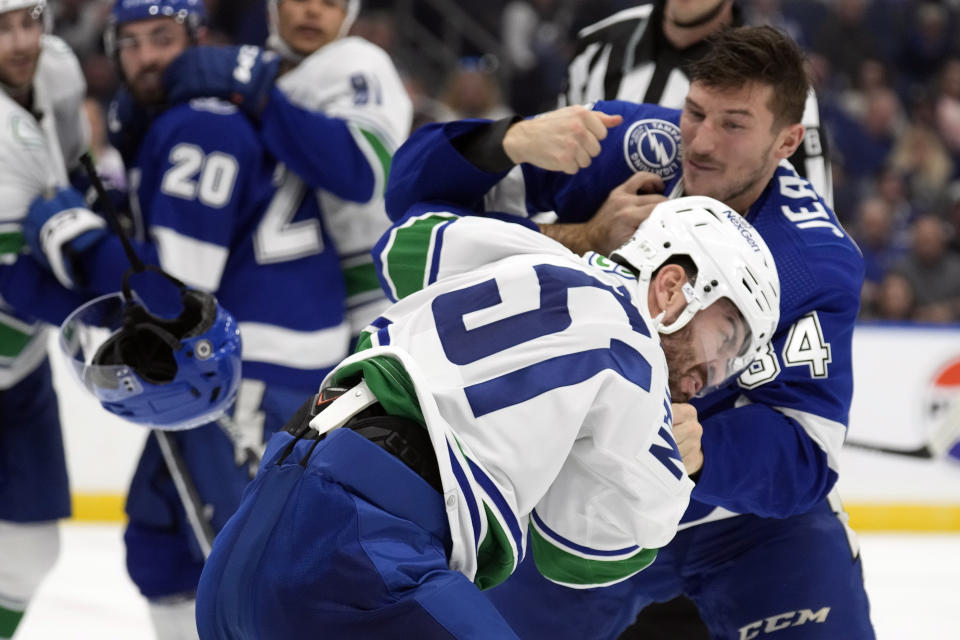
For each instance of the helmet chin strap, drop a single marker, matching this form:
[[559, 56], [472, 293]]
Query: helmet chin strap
[[694, 304]]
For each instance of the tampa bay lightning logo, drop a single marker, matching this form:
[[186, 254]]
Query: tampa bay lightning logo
[[653, 145]]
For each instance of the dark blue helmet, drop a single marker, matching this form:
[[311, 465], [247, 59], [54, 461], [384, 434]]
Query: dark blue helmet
[[190, 13], [163, 373]]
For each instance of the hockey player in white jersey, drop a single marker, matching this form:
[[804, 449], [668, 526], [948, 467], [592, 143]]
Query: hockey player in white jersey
[[518, 396], [42, 134], [331, 107]]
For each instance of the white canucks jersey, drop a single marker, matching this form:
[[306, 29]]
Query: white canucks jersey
[[545, 394], [37, 147], [354, 80]]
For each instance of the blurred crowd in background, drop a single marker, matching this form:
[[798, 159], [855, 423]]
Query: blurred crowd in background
[[887, 73]]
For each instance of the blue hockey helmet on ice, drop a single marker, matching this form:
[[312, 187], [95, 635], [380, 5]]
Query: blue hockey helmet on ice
[[163, 373], [191, 13]]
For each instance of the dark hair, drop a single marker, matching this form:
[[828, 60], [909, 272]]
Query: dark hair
[[757, 54]]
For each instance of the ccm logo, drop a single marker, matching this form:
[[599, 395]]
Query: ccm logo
[[782, 621]]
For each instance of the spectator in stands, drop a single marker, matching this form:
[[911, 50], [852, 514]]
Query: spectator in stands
[[933, 272], [874, 235], [894, 302], [535, 45], [948, 106], [845, 39], [925, 162], [866, 143], [928, 43]]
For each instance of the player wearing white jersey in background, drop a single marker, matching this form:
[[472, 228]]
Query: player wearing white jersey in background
[[514, 383], [336, 115], [42, 134]]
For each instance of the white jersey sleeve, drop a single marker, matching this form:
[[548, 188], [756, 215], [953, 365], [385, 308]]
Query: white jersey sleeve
[[354, 80]]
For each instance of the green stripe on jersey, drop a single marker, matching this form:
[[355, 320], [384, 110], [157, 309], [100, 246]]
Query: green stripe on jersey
[[564, 567], [495, 560], [9, 621], [12, 340], [11, 242], [383, 154], [361, 278], [407, 258]]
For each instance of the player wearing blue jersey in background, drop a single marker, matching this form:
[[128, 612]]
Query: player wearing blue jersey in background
[[337, 113], [213, 207], [514, 382], [764, 547], [42, 134]]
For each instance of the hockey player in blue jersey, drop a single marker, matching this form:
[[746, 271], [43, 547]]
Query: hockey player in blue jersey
[[513, 383], [764, 546], [334, 116], [212, 207]]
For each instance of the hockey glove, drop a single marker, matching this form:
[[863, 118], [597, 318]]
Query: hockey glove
[[243, 75], [60, 228]]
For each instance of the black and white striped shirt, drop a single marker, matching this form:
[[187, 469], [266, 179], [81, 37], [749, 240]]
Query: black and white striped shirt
[[627, 57]]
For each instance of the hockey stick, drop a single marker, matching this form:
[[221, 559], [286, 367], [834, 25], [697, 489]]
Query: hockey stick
[[944, 436], [196, 510]]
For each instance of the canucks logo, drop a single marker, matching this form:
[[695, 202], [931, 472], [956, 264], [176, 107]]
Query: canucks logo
[[653, 145]]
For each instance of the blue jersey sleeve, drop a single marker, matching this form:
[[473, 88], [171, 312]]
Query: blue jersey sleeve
[[25, 285], [320, 149], [429, 167]]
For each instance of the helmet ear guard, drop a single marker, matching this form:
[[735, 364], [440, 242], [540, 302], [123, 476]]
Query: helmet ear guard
[[164, 373]]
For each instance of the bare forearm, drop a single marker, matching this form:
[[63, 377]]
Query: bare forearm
[[573, 236]]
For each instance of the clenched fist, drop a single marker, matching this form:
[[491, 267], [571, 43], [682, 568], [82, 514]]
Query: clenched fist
[[564, 140], [687, 433]]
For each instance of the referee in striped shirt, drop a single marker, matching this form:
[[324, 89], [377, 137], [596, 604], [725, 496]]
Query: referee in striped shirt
[[639, 54]]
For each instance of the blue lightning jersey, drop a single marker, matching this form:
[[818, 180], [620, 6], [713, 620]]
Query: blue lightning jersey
[[776, 431], [213, 208]]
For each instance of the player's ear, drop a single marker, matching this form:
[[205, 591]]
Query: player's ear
[[789, 138], [666, 292]]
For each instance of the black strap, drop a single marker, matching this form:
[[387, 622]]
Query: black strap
[[405, 439]]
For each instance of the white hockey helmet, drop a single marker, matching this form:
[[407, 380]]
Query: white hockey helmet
[[276, 43], [39, 10], [13, 5], [731, 258]]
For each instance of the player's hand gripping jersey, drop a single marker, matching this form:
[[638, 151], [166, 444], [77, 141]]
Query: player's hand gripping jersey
[[575, 441], [37, 150], [779, 427]]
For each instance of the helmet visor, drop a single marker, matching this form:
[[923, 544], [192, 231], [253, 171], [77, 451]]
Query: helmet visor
[[708, 351], [83, 335]]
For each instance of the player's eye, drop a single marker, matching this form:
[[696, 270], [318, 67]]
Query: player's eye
[[127, 43]]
